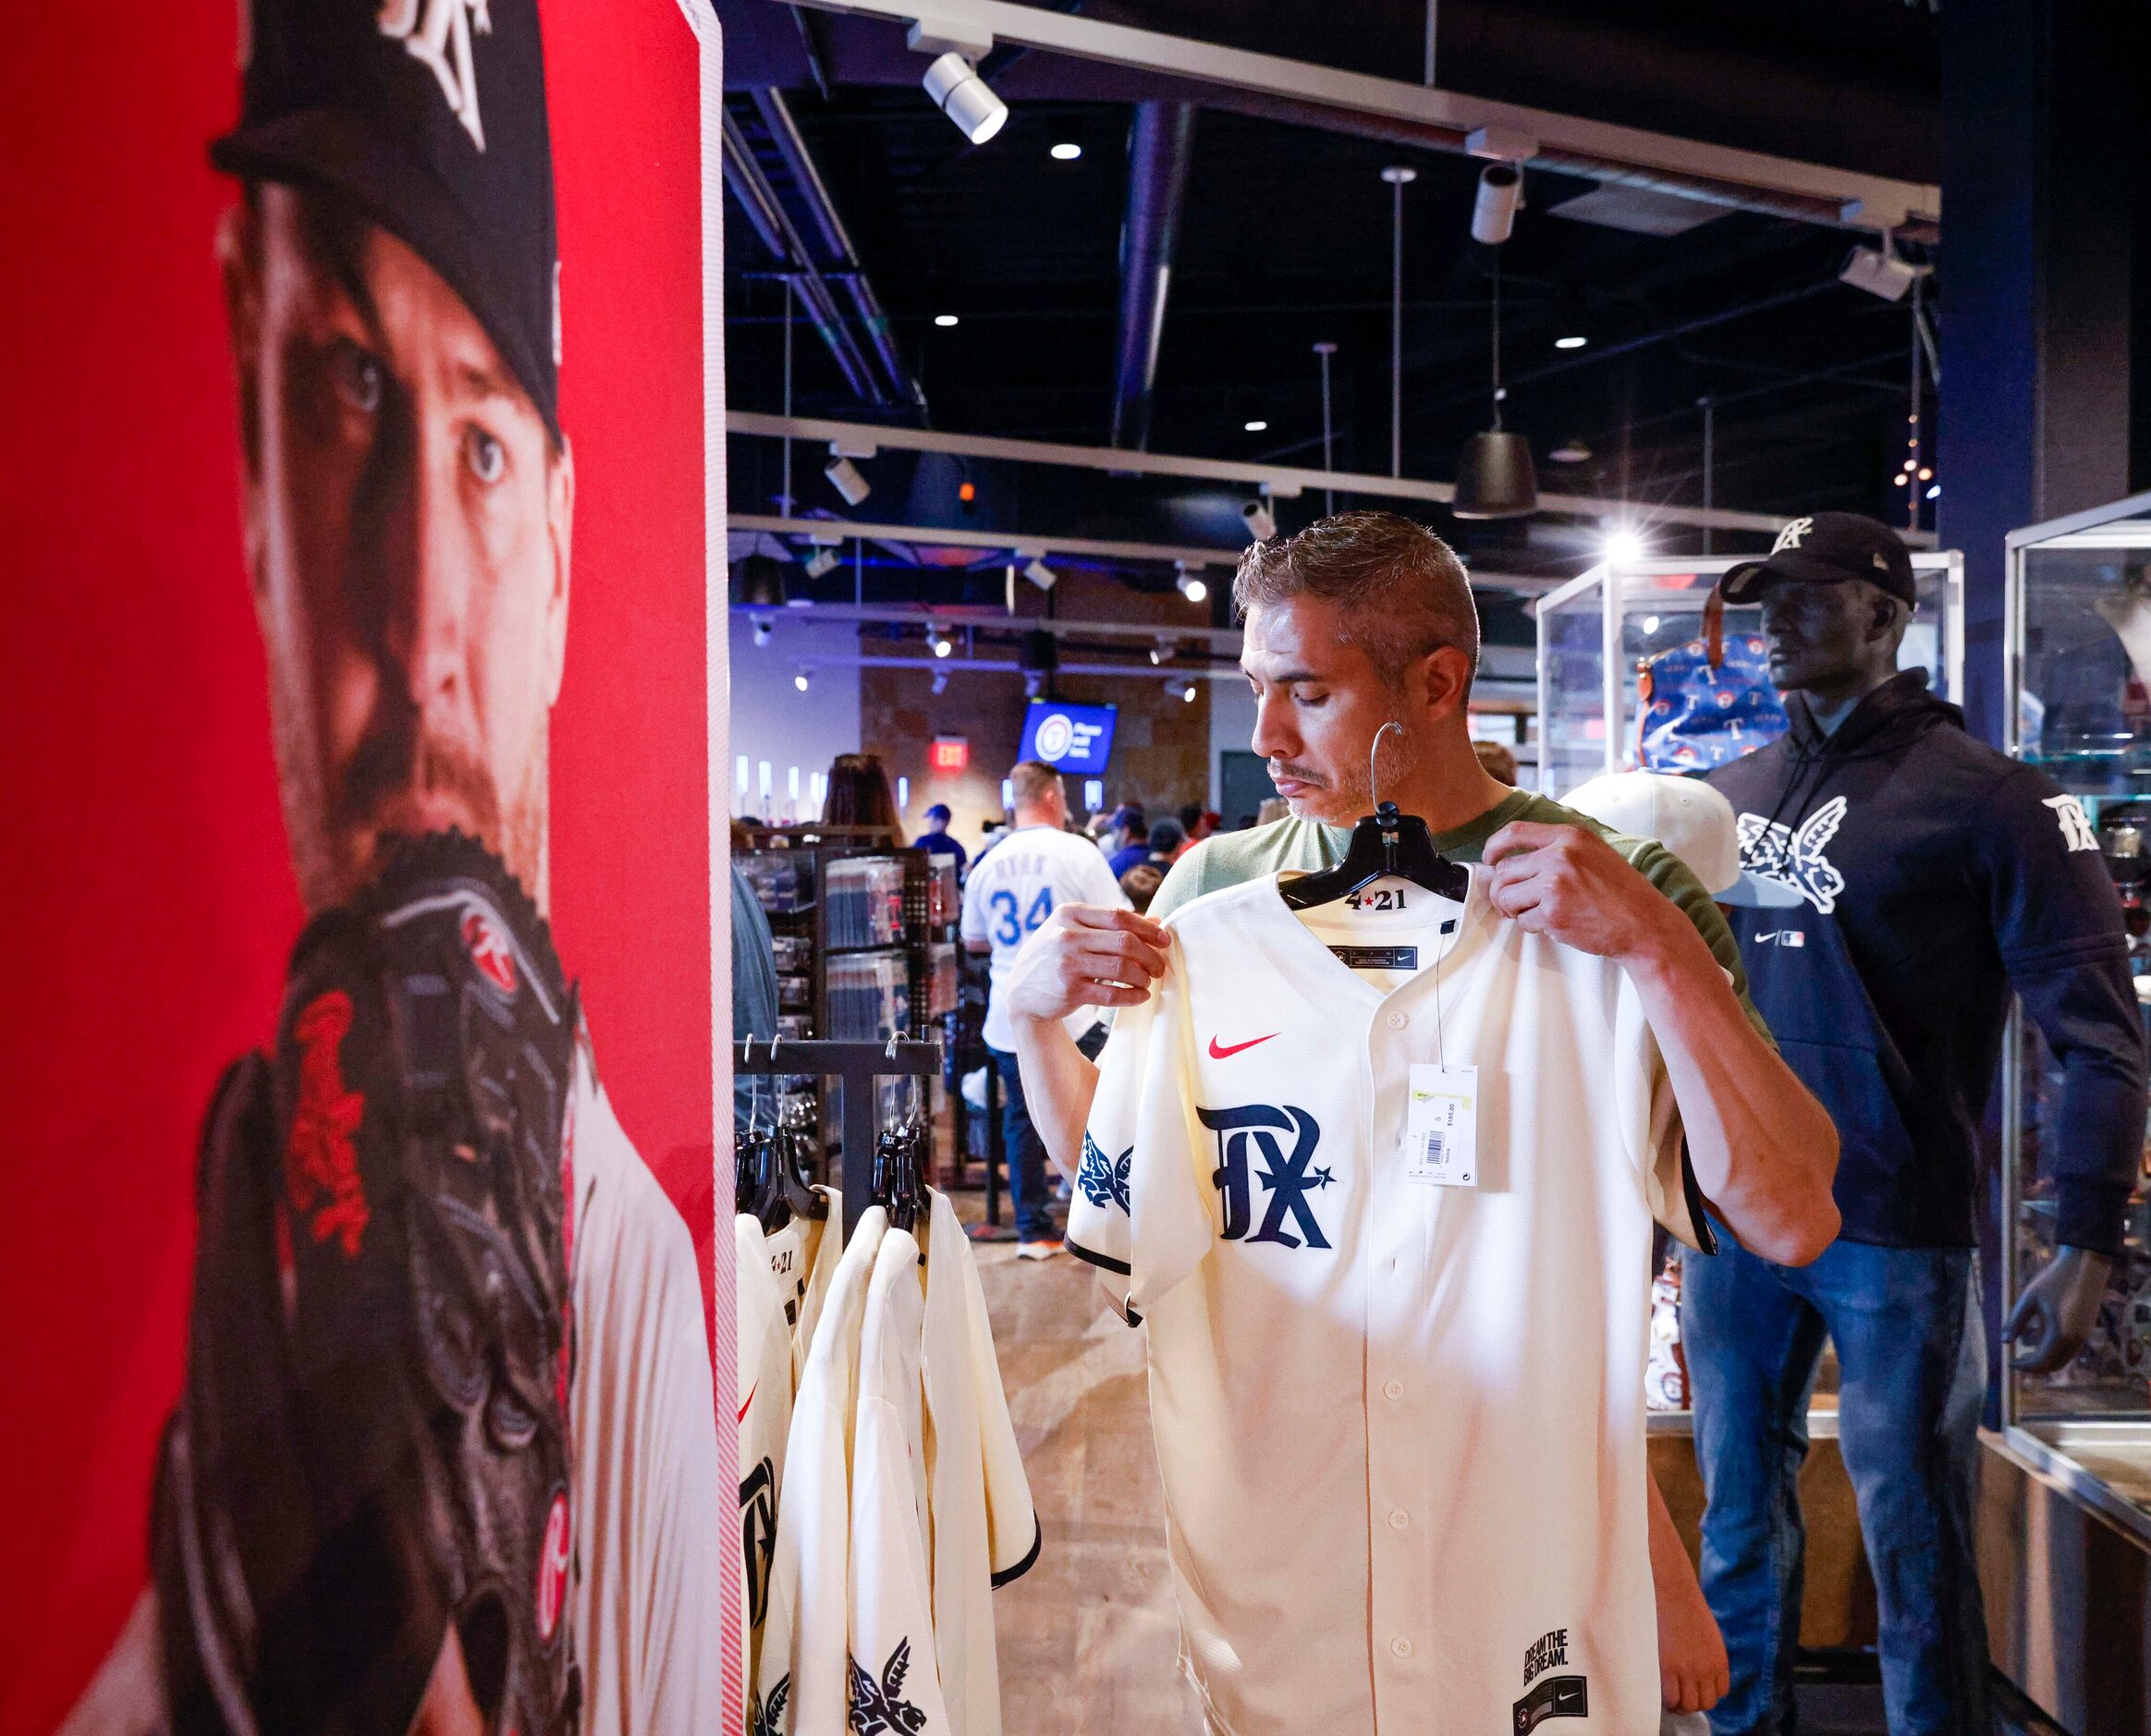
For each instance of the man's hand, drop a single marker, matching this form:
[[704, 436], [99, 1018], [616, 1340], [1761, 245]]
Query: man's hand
[[1086, 954], [2056, 1313], [1569, 884]]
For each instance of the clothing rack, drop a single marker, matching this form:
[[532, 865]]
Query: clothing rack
[[859, 1065]]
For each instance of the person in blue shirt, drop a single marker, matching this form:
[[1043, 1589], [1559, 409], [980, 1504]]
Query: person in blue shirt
[[935, 840]]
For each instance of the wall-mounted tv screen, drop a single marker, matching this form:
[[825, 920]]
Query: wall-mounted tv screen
[[1077, 739]]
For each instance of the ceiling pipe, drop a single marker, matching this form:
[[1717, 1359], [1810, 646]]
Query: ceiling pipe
[[759, 200], [815, 194], [1161, 143]]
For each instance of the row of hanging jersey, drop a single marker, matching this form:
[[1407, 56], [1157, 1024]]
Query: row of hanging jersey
[[882, 1494], [1377, 1167]]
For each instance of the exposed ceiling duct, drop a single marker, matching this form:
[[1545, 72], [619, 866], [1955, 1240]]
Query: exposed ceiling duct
[[813, 194], [1160, 146]]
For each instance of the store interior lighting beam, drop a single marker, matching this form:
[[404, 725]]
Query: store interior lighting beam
[[1278, 481]]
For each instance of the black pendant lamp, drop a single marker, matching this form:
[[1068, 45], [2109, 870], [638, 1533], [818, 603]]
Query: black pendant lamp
[[1496, 478]]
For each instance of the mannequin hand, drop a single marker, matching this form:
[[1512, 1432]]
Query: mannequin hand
[[2058, 1309]]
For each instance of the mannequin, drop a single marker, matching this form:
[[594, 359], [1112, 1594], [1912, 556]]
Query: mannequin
[[1834, 645]]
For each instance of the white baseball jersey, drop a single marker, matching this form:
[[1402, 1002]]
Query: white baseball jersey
[[1399, 1423], [803, 1259], [1014, 886], [984, 1531], [646, 1596], [894, 1674], [803, 1687], [763, 1344]]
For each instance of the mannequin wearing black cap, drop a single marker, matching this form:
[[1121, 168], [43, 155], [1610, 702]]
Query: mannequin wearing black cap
[[1833, 645], [1919, 878]]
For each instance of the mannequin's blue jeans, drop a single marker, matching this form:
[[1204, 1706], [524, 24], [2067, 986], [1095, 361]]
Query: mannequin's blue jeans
[[1911, 1356]]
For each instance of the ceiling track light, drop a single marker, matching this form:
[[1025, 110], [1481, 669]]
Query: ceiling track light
[[1493, 209], [1879, 272], [940, 681], [1262, 523], [763, 626], [799, 680], [1189, 581], [1041, 575], [1162, 652], [959, 94], [943, 645], [845, 478], [820, 561]]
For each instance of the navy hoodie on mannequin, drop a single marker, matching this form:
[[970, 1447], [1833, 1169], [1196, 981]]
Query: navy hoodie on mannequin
[[1936, 875]]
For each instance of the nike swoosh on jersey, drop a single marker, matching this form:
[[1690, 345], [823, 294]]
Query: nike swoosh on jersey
[[1219, 1054], [747, 1401]]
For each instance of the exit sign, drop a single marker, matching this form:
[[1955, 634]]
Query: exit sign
[[949, 753]]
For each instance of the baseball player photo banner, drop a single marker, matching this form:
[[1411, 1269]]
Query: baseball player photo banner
[[365, 469]]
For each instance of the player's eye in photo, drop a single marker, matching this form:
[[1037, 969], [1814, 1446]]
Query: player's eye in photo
[[357, 376], [486, 456]]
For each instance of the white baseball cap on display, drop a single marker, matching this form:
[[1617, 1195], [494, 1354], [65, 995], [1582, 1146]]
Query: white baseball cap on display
[[1689, 818]]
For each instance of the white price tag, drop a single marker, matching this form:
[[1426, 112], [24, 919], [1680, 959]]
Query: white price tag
[[1441, 1127]]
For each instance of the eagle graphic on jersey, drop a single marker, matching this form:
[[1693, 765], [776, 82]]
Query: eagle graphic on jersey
[[1104, 1179], [758, 1536], [879, 1706], [766, 1718], [1774, 851]]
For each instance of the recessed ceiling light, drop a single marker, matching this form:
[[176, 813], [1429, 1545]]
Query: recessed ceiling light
[[1067, 150], [945, 319], [1570, 452], [1257, 426], [1570, 342]]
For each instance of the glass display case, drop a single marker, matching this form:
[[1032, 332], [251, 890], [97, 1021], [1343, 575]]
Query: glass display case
[[2065, 1507], [1597, 633], [2077, 663]]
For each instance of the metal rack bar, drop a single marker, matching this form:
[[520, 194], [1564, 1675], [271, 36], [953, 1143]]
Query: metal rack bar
[[859, 1065]]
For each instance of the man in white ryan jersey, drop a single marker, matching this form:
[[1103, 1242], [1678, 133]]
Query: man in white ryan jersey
[[1365, 619], [1027, 873]]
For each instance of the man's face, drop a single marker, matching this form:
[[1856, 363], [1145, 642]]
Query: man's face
[[407, 542], [938, 824], [1319, 700], [1821, 636]]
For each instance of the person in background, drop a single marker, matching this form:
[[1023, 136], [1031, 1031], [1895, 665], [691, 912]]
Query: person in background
[[1199, 821], [1167, 843], [1499, 761], [754, 990], [858, 794], [1014, 887], [1141, 883], [1133, 832], [935, 840], [1274, 809]]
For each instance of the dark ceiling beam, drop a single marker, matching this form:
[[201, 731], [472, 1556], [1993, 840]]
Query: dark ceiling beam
[[813, 193], [1161, 143]]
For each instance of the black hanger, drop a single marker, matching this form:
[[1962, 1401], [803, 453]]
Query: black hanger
[[900, 1185], [794, 1179], [1386, 844], [750, 1165]]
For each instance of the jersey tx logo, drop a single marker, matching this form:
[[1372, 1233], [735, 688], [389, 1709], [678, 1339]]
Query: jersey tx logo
[[1249, 1150]]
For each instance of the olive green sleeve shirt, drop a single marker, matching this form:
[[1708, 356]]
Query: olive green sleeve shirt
[[1294, 846]]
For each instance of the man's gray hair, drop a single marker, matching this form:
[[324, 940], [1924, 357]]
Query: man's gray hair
[[1401, 590]]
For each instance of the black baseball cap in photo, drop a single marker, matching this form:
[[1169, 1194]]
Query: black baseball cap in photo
[[1828, 549], [430, 116]]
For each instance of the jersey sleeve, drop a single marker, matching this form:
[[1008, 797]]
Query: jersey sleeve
[[1140, 1214], [1652, 1117], [1097, 883], [2058, 925], [974, 907]]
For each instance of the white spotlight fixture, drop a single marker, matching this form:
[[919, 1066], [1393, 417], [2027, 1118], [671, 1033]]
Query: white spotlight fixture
[[1041, 575], [1623, 548], [1494, 211], [943, 645], [1067, 150], [1262, 523], [1031, 684], [1879, 272], [763, 626], [959, 94], [1572, 342], [1934, 492], [820, 561], [1190, 582], [845, 478], [941, 680], [945, 320], [1162, 652], [1256, 426], [799, 680]]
